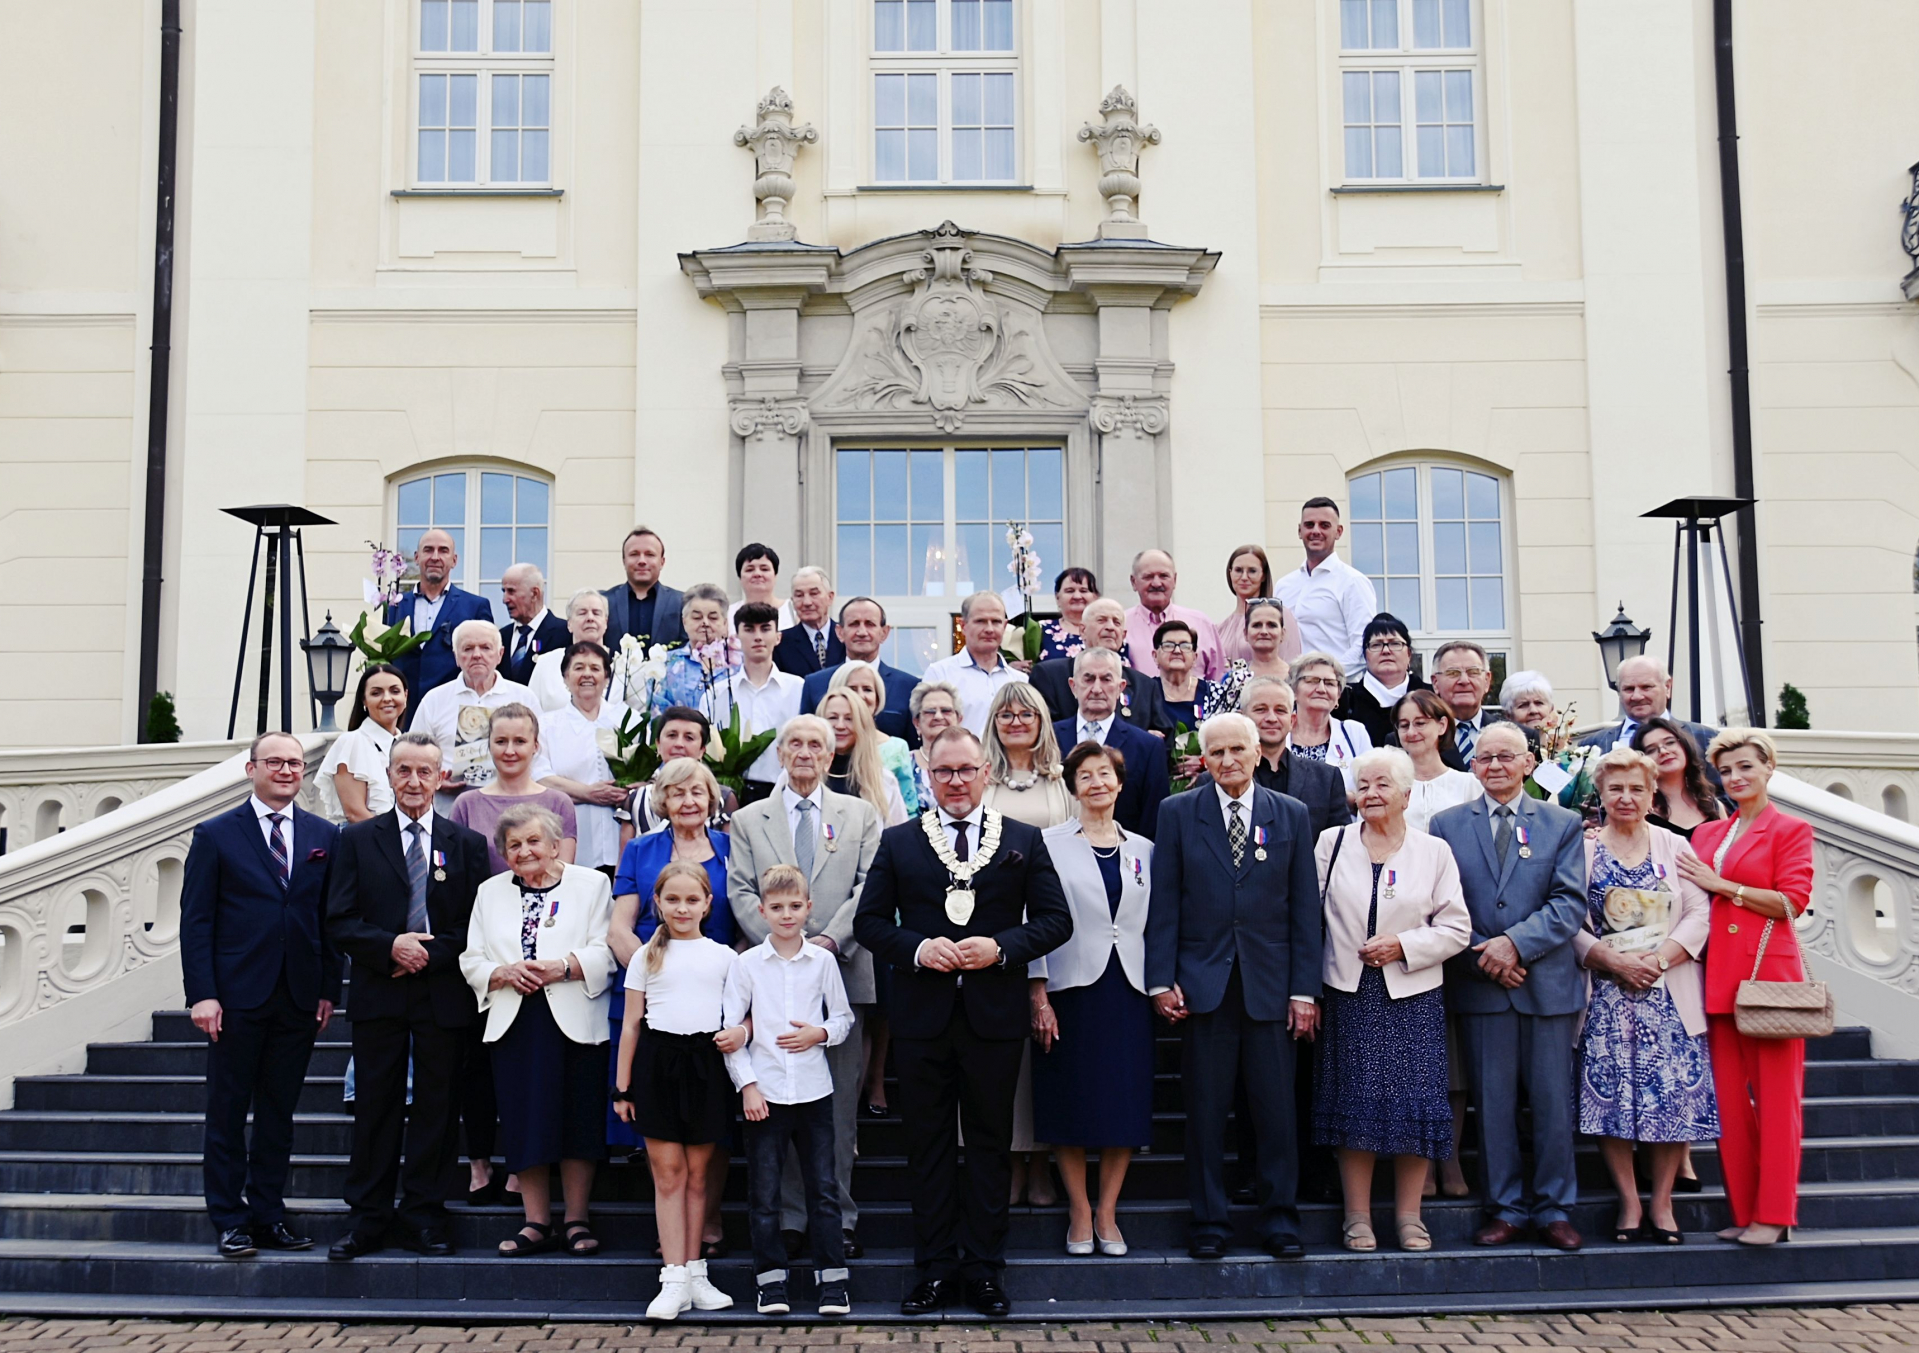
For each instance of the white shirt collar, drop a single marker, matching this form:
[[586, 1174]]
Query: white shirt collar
[[1386, 695], [817, 798], [261, 810], [1325, 565], [467, 685], [1245, 800], [974, 663], [947, 819], [807, 952], [406, 823], [814, 631], [1102, 726], [1494, 805]]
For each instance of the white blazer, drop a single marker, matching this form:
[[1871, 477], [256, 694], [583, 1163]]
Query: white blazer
[[1097, 931], [1427, 910], [579, 927]]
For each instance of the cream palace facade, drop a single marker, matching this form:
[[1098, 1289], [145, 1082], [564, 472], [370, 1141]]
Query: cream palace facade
[[865, 279]]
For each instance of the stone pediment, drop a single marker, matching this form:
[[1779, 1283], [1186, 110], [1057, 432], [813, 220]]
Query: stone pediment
[[944, 342]]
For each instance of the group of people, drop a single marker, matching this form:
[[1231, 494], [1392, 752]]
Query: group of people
[[1375, 901]]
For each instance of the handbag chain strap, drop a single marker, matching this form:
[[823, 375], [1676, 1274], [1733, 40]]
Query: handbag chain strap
[[1766, 935]]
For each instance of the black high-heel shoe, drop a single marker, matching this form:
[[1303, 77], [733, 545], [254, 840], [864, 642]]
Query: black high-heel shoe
[[877, 1110], [1683, 1184], [1659, 1235]]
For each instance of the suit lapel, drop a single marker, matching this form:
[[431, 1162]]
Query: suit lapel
[[1483, 829], [1212, 826], [1265, 814], [387, 831], [1522, 820], [250, 823], [1746, 839]]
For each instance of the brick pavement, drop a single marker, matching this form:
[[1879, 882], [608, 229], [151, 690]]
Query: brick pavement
[[1848, 1329]]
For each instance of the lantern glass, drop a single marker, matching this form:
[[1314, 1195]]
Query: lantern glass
[[1619, 641]]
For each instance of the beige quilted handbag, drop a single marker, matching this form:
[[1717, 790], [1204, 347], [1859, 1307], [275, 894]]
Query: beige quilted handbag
[[1781, 1009]]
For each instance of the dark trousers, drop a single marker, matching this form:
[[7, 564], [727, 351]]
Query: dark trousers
[[808, 1127], [1222, 1047], [959, 1075], [479, 1112], [257, 1066], [381, 1117], [1318, 1166]]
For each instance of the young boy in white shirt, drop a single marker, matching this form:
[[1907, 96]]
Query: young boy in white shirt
[[787, 995]]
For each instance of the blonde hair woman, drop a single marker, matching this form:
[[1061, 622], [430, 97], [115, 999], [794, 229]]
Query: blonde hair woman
[[857, 768], [865, 681], [1024, 777]]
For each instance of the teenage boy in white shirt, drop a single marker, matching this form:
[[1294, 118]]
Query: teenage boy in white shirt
[[788, 996]]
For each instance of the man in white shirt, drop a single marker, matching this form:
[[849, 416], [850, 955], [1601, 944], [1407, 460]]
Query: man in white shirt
[[1154, 578], [457, 714], [765, 696], [1330, 598], [980, 669]]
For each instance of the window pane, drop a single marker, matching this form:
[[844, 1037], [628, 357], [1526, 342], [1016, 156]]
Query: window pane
[[922, 155], [496, 551], [890, 575], [999, 26], [449, 499], [999, 155], [1009, 487], [854, 496], [1431, 142], [1386, 96], [1365, 494], [1459, 96], [854, 566], [889, 25], [1402, 494], [464, 99], [889, 156], [506, 168], [1049, 543], [969, 485], [1482, 492], [1402, 599], [926, 553], [506, 100], [1359, 96], [537, 30], [533, 499], [1359, 153], [1485, 546], [889, 486], [922, 26], [466, 26], [1368, 551], [416, 501], [913, 650], [1449, 547], [535, 99], [1385, 23], [966, 100], [506, 25], [460, 157], [999, 100], [922, 100], [433, 101], [433, 25], [408, 540], [1459, 152], [459, 539], [496, 499], [889, 100], [969, 153], [1402, 547], [966, 25], [1046, 485], [1426, 96], [976, 559], [1453, 612], [1352, 24], [1489, 604], [1389, 162], [432, 157], [1458, 30], [929, 486], [533, 157], [1449, 503], [1425, 23]]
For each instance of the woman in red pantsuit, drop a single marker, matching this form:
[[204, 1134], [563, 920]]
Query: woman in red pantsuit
[[1758, 867]]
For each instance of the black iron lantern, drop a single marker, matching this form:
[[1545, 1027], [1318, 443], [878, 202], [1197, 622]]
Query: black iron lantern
[[329, 655], [1909, 234], [1619, 641]]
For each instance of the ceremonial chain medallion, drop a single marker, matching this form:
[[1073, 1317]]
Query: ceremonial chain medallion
[[959, 898]]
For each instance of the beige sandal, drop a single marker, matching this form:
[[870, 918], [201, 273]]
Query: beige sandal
[[1358, 1234], [1413, 1234]]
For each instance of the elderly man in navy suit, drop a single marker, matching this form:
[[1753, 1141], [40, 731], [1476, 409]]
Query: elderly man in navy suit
[[437, 607], [1519, 990], [813, 641], [1233, 939], [530, 628], [262, 982], [1645, 692], [863, 631], [1098, 678]]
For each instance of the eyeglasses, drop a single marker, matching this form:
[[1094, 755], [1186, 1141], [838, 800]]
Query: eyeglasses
[[1496, 758], [949, 775], [1176, 646], [1015, 714], [1333, 682], [1388, 646], [1462, 673], [280, 763]]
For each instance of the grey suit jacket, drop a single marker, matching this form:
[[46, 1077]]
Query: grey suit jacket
[[1538, 901], [763, 837]]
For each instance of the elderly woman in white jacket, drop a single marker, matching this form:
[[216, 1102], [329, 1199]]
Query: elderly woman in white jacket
[[537, 958], [1395, 913], [1093, 1075]]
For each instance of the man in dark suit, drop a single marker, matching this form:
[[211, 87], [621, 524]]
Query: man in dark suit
[[642, 605], [1233, 939], [438, 606], [813, 642], [1096, 687], [1463, 677], [1140, 704], [530, 628], [863, 630], [1518, 992], [1645, 692], [262, 982], [958, 902], [398, 905]]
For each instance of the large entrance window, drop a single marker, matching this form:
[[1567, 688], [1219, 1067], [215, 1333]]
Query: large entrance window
[[496, 518], [921, 527]]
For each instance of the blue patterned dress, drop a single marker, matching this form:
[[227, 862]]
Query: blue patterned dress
[[1642, 1077]]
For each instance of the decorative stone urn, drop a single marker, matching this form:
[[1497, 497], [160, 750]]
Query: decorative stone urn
[[1119, 140], [775, 141]]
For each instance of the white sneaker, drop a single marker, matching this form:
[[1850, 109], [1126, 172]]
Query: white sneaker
[[674, 1294], [704, 1296]]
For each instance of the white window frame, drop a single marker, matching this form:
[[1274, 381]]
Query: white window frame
[[1428, 637], [483, 64], [943, 63], [1408, 62], [467, 572]]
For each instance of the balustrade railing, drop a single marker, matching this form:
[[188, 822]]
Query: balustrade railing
[[1874, 770], [45, 791]]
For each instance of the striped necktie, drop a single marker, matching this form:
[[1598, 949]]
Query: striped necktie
[[277, 843], [803, 842], [416, 880]]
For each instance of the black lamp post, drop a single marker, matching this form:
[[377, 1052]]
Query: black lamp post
[[329, 655], [1619, 641], [1909, 235]]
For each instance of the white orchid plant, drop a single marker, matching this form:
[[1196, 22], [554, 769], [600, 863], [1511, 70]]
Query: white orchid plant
[[382, 590], [1025, 568]]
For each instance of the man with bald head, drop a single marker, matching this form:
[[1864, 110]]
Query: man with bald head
[[530, 629], [1645, 692], [1104, 625], [1154, 578], [437, 606]]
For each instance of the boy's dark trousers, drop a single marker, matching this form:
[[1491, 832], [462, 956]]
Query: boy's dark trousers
[[810, 1128]]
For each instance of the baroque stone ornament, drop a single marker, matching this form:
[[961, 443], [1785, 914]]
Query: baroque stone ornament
[[1119, 139], [1128, 413], [768, 416], [950, 347], [775, 142]]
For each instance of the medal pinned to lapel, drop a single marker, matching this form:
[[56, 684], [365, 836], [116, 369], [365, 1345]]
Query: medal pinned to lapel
[[439, 866], [828, 835], [1525, 851], [1259, 843], [552, 911], [1139, 872], [1392, 877]]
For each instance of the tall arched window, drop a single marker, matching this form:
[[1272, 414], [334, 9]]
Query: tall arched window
[[1433, 538], [497, 517]]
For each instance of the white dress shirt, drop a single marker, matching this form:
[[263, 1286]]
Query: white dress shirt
[[261, 812], [976, 685], [949, 824], [794, 821], [1093, 730], [1333, 603], [761, 708], [364, 752], [463, 741], [524, 631], [775, 991], [426, 614]]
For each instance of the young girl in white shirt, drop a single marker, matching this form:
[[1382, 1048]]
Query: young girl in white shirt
[[671, 1080]]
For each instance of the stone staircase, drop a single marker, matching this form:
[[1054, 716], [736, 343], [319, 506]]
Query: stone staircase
[[100, 1213]]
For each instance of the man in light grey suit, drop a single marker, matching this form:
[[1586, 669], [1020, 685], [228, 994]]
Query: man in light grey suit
[[1518, 991], [833, 837]]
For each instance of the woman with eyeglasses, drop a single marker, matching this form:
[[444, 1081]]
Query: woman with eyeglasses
[[1388, 679], [1265, 629], [1318, 733], [1250, 574]]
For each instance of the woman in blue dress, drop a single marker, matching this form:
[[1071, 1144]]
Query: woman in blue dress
[[1073, 591], [1645, 1075], [697, 675]]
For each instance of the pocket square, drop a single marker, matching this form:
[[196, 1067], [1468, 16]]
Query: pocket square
[[1013, 857], [315, 854]]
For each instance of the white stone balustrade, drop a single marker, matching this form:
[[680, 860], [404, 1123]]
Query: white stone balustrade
[[45, 791], [1874, 770], [90, 919]]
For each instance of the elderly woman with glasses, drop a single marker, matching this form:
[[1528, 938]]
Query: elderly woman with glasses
[[1388, 678], [1319, 680]]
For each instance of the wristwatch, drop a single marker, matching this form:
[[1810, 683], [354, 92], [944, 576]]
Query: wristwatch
[[1660, 959]]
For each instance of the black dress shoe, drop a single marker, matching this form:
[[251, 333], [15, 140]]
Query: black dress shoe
[[280, 1236], [1206, 1247], [236, 1243], [430, 1241], [851, 1248], [985, 1296], [927, 1296], [354, 1244], [1286, 1247]]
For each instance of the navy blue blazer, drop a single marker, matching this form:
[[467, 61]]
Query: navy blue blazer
[[1538, 901], [240, 929], [1206, 916], [1148, 782], [432, 663], [1703, 734], [895, 717], [1140, 703], [794, 652], [549, 636], [668, 602]]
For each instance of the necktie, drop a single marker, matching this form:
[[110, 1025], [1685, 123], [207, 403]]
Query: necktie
[[1502, 832], [1235, 832], [519, 642], [1089, 733], [278, 845], [416, 877], [1463, 737], [819, 646], [960, 847], [803, 844]]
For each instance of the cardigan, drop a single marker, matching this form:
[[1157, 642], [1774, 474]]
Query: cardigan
[[1691, 923], [1427, 910]]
